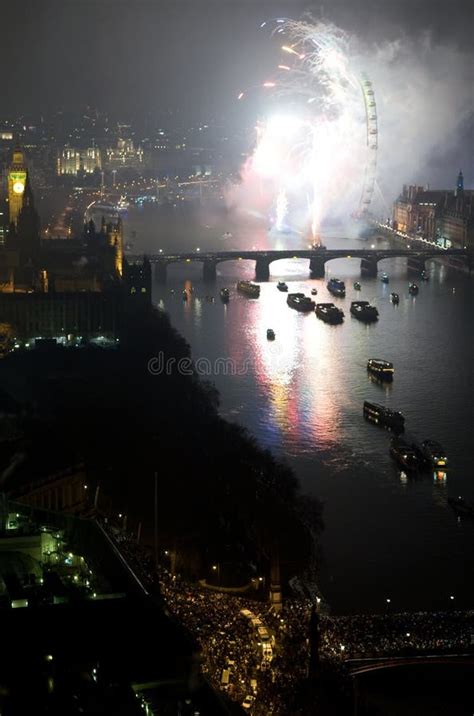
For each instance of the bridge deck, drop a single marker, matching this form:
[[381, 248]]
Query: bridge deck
[[318, 254]]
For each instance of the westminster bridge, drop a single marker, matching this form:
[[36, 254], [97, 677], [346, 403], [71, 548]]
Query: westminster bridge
[[317, 258]]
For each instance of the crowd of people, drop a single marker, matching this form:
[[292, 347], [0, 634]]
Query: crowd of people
[[229, 640], [363, 636]]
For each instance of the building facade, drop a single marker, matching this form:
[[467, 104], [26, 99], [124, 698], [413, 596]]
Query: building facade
[[72, 161], [445, 217]]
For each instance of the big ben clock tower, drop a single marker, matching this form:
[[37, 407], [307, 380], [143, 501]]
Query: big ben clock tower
[[16, 185]]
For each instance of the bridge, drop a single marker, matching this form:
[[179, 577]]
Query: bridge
[[317, 257], [357, 667]]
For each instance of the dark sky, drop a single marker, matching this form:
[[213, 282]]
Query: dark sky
[[147, 55]]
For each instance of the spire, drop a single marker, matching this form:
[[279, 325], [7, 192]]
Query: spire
[[28, 199]]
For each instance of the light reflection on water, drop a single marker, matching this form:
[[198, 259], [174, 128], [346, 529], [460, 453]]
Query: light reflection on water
[[387, 534]]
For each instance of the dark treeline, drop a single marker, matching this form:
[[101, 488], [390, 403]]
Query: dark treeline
[[221, 497]]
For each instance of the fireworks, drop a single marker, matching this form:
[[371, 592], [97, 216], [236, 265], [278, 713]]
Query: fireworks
[[322, 145]]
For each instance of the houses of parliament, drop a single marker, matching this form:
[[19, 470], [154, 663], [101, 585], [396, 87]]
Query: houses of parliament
[[69, 290]]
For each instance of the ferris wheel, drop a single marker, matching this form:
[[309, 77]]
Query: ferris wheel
[[368, 187]]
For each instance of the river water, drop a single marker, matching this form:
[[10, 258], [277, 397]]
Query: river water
[[387, 536]]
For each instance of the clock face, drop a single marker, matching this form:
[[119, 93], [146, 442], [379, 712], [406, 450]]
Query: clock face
[[18, 187]]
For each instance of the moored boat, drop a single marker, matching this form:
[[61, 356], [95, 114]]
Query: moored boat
[[270, 334], [329, 313], [300, 302], [380, 415], [404, 455], [382, 369], [336, 287], [249, 289], [434, 453], [363, 311]]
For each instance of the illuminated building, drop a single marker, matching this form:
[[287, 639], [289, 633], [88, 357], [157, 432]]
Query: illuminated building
[[71, 161], [16, 185], [442, 216], [125, 155], [91, 160], [70, 290]]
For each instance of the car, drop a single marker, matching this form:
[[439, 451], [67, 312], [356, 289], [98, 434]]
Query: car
[[248, 702]]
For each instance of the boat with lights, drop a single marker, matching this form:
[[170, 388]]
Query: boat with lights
[[382, 369], [300, 302], [380, 415], [363, 311], [329, 313], [252, 290], [404, 455], [336, 287]]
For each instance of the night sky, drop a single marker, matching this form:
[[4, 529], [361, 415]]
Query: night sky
[[150, 55]]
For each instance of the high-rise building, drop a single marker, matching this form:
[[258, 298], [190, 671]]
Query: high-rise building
[[17, 174]]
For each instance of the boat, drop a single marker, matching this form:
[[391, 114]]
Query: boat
[[357, 286], [314, 291], [270, 334], [413, 289], [329, 313], [384, 278], [380, 415], [404, 455], [424, 276], [463, 508], [363, 311], [249, 289], [281, 286], [224, 293], [434, 453], [300, 302], [382, 369], [395, 298], [336, 287]]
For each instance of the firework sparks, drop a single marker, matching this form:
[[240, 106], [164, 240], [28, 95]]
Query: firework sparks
[[321, 148]]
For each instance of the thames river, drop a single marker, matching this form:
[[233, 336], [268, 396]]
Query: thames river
[[387, 536]]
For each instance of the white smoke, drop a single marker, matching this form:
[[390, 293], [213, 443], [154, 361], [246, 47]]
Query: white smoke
[[424, 92]]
